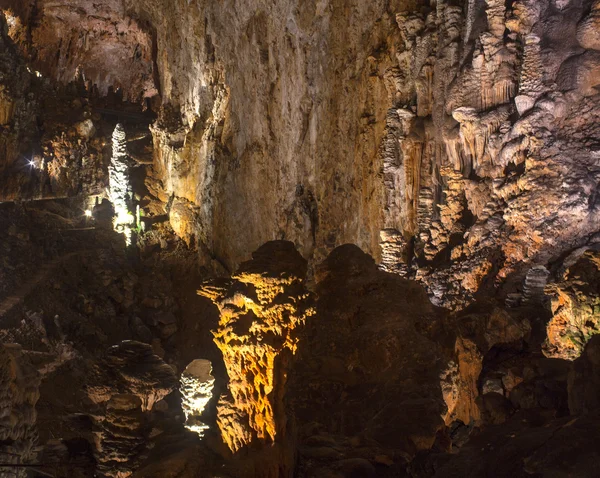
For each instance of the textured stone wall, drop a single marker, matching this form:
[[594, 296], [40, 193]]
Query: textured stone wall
[[464, 130], [455, 141]]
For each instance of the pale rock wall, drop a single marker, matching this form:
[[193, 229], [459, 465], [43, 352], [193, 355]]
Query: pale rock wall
[[465, 130], [283, 109]]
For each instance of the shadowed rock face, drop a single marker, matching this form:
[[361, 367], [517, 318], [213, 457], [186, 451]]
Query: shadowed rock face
[[124, 386], [19, 393], [368, 370]]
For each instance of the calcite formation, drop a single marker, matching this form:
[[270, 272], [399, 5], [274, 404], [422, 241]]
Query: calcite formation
[[131, 368], [120, 192], [98, 43], [468, 129], [125, 385], [263, 308], [19, 392], [196, 388], [575, 303], [415, 154]]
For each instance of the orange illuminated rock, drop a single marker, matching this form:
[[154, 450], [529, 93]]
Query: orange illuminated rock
[[263, 307]]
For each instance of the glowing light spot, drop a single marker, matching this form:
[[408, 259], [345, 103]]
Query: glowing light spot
[[197, 385], [88, 213]]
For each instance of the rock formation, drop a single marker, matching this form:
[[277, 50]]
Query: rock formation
[[428, 169], [196, 388], [575, 302], [119, 185], [263, 307], [125, 385], [19, 392]]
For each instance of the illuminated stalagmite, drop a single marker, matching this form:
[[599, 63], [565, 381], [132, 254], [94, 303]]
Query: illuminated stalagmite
[[119, 188], [196, 388], [262, 308]]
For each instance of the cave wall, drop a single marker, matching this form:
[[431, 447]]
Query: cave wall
[[455, 141], [283, 111]]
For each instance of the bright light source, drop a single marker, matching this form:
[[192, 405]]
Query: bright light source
[[88, 213], [31, 163]]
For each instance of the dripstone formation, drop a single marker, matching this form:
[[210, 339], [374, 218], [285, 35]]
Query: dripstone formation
[[299, 238]]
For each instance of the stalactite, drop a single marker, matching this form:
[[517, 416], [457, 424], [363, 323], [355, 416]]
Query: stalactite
[[531, 84]]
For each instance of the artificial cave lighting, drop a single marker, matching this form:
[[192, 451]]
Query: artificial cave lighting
[[196, 388]]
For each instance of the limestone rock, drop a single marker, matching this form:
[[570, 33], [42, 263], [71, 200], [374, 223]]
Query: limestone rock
[[588, 31], [528, 444], [196, 388], [373, 372], [584, 380], [263, 307], [575, 304], [124, 386], [131, 368], [19, 392]]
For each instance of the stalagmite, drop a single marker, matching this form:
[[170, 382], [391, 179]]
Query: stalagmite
[[531, 86], [196, 388], [119, 188], [262, 308]]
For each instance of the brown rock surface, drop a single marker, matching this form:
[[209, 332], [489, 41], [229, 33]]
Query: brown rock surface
[[19, 393], [575, 303], [584, 380], [123, 386], [367, 381]]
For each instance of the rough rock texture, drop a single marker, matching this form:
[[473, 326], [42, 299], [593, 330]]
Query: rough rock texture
[[196, 389], [127, 383], [584, 380], [19, 392], [96, 42], [275, 129], [456, 141], [263, 308], [575, 302], [367, 371], [528, 445], [132, 368], [469, 129], [478, 333]]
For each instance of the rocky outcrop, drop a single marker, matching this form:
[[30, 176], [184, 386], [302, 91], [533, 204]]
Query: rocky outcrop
[[575, 304], [123, 386], [368, 382], [19, 392], [263, 308]]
